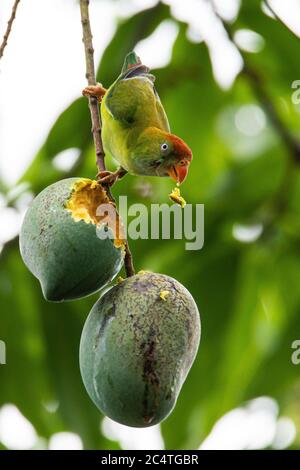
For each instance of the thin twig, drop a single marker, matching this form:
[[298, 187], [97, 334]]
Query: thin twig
[[257, 84], [9, 26], [95, 115], [128, 261], [90, 76], [267, 104], [267, 4]]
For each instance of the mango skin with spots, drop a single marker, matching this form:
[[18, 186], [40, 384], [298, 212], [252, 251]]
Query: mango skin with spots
[[67, 257], [136, 349]]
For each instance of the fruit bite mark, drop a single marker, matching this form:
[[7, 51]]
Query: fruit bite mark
[[84, 204], [87, 195]]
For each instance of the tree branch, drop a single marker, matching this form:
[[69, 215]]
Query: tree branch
[[95, 114], [292, 144], [9, 26], [90, 76], [257, 84]]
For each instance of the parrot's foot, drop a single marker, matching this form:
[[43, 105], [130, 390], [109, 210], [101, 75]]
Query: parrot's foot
[[97, 91], [110, 177]]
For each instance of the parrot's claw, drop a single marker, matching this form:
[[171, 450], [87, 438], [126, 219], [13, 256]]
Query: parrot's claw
[[96, 90], [110, 177]]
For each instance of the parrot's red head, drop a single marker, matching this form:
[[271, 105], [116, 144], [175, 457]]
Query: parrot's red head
[[180, 159], [163, 154]]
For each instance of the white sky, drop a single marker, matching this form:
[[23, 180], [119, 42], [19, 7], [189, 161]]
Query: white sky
[[42, 70], [256, 425]]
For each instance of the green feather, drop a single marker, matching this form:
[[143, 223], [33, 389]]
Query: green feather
[[133, 67], [130, 111], [131, 60]]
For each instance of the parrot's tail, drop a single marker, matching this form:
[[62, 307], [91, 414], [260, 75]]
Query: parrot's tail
[[133, 67], [131, 60]]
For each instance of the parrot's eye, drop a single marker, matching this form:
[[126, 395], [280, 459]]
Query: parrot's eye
[[164, 147]]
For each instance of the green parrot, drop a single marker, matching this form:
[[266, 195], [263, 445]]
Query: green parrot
[[135, 128]]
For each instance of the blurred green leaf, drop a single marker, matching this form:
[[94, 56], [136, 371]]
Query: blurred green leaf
[[248, 293]]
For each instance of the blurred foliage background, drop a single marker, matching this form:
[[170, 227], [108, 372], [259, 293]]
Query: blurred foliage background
[[246, 278]]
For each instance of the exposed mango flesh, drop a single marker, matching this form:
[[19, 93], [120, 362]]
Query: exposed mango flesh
[[164, 294], [90, 203], [86, 197]]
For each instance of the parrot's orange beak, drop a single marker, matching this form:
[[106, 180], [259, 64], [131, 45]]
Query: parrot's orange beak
[[183, 157], [179, 171]]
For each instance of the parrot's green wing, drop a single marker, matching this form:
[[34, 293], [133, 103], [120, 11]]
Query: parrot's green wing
[[133, 100]]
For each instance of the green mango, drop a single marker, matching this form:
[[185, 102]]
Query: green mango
[[137, 346], [62, 240]]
